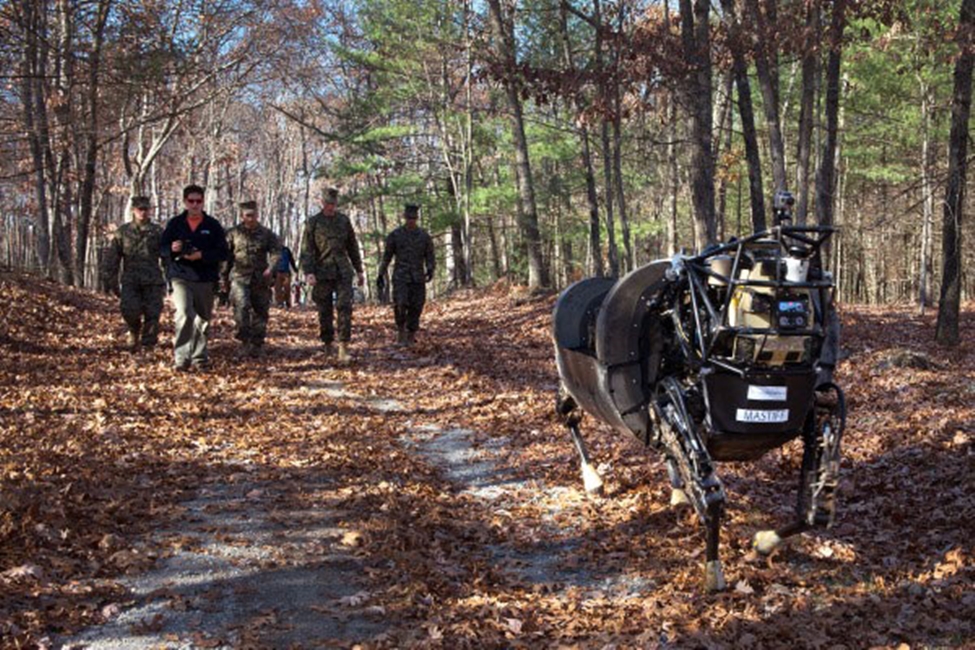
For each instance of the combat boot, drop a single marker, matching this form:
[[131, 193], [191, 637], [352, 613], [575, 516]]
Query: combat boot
[[132, 340], [401, 337], [327, 349], [343, 355], [410, 339]]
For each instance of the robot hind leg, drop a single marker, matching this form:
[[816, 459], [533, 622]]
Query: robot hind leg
[[570, 414]]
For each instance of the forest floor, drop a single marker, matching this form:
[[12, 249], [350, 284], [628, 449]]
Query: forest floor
[[428, 497]]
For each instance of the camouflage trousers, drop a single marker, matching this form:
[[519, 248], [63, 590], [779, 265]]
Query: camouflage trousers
[[251, 299], [141, 305], [337, 295], [408, 301]]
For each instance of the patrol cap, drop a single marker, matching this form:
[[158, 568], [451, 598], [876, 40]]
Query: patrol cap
[[141, 202], [411, 211], [248, 206], [331, 195]]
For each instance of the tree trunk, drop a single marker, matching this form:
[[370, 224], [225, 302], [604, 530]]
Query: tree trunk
[[33, 73], [628, 259], [766, 68], [927, 199], [695, 32], [810, 72], [91, 144], [528, 216], [946, 331], [826, 176], [595, 251], [601, 73]]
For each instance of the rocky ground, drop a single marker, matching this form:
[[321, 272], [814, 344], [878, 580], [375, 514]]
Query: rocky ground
[[428, 498]]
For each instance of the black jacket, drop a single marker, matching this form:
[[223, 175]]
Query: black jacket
[[209, 238]]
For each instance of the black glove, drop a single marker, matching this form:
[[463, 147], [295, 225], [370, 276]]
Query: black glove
[[381, 283], [429, 275]]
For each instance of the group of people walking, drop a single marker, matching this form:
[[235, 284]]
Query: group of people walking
[[197, 260]]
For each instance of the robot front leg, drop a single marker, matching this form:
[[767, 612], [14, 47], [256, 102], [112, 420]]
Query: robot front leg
[[819, 476], [693, 478]]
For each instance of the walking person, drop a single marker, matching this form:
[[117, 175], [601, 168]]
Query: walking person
[[135, 247], [253, 252], [282, 278], [412, 247], [194, 244], [329, 258]]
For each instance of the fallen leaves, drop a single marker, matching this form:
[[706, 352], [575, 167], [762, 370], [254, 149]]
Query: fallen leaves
[[99, 447]]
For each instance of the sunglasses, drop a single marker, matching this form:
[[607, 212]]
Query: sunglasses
[[193, 201]]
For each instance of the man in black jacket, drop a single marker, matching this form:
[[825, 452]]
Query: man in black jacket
[[193, 244]]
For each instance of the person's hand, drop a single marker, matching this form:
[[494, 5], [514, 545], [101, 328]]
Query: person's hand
[[177, 246], [267, 272], [310, 279], [194, 256], [429, 275], [362, 278]]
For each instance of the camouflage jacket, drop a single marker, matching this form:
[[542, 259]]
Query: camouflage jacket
[[413, 249], [136, 248], [329, 249], [251, 252]]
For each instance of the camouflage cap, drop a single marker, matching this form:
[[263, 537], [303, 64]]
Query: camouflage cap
[[331, 195], [248, 206], [141, 202], [411, 211]]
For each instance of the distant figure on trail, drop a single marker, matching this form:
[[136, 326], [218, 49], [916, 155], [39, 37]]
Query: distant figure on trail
[[135, 245], [329, 257], [415, 262], [254, 251], [282, 278], [194, 244]]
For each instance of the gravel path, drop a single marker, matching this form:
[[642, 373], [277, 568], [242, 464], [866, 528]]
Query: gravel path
[[244, 572]]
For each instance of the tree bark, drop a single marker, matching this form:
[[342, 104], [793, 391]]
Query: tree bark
[[592, 199], [747, 113], [946, 330], [528, 215], [695, 32], [927, 199], [629, 262], [601, 73], [826, 176], [766, 67], [810, 72], [33, 102], [91, 143]]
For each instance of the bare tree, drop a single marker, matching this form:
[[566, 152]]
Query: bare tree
[[696, 37], [528, 217], [946, 330]]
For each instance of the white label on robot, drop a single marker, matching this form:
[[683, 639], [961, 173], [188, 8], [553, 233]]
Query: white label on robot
[[767, 393], [760, 416]]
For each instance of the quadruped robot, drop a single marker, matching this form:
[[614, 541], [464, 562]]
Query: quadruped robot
[[720, 356]]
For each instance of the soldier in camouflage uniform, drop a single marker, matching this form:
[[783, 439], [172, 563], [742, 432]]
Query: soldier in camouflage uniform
[[247, 274], [415, 261], [329, 257], [135, 245]]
